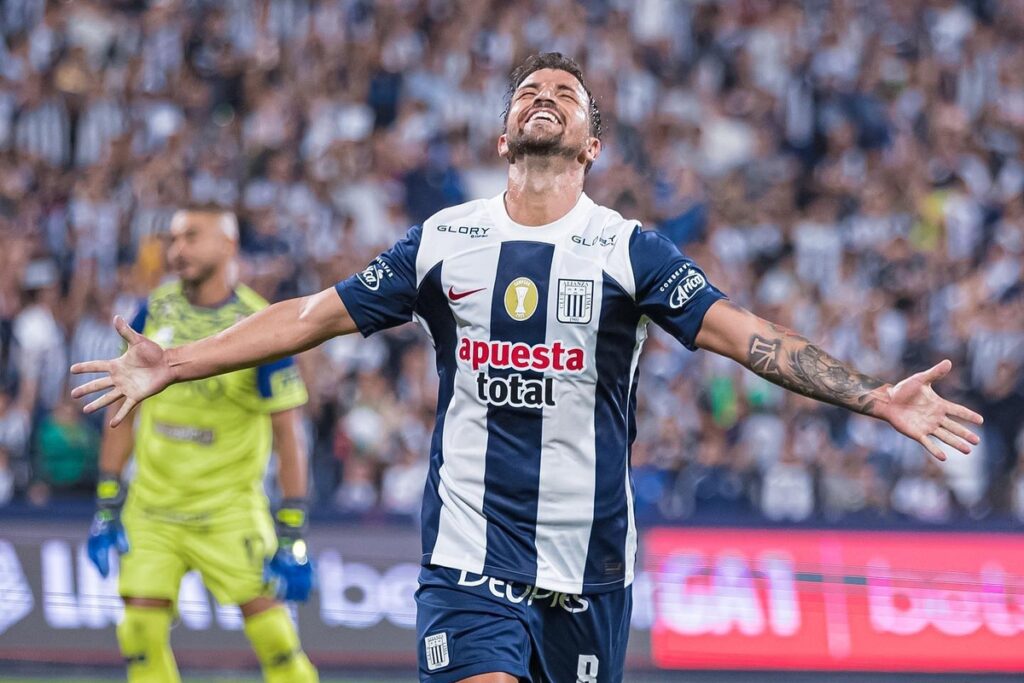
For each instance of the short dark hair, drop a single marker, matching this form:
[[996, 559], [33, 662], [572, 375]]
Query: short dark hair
[[551, 60]]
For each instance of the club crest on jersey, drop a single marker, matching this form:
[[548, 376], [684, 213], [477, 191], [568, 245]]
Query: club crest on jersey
[[692, 283], [575, 301], [521, 298]]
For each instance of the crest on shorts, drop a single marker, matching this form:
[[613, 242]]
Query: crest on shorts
[[436, 647], [575, 301]]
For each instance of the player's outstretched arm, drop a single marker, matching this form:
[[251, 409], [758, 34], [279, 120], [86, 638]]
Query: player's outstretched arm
[[781, 356], [146, 369]]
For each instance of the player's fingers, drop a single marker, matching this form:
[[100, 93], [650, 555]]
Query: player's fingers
[[952, 439], [957, 410], [961, 431], [937, 372], [103, 401], [932, 448], [126, 331], [103, 563], [90, 366], [123, 411], [89, 387]]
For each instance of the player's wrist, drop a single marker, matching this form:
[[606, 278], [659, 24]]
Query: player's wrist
[[173, 364], [110, 493], [292, 518], [878, 402], [290, 521]]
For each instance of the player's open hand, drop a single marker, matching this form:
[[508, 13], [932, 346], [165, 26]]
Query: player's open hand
[[914, 409], [140, 372]]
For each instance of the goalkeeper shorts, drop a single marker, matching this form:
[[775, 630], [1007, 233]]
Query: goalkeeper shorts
[[228, 549]]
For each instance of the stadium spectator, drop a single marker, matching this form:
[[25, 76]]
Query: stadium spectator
[[7, 477], [66, 450], [787, 489], [1017, 483], [924, 495], [358, 490], [402, 484], [14, 427], [40, 338]]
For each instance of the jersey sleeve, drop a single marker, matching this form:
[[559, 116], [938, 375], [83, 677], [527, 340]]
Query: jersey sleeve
[[138, 322], [279, 386], [671, 289], [384, 294]]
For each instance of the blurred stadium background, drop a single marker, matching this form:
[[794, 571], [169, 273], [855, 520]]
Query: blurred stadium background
[[852, 169]]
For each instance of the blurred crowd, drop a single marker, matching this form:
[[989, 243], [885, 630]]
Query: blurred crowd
[[850, 169]]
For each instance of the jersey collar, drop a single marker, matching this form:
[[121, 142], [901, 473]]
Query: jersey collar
[[231, 298]]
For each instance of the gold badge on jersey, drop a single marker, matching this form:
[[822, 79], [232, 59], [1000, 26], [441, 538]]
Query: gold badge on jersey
[[521, 298]]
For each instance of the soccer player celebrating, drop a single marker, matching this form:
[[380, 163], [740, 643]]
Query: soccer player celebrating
[[201, 450], [537, 303]]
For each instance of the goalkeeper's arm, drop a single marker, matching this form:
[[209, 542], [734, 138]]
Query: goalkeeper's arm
[[116, 446], [290, 445], [106, 532], [290, 568]]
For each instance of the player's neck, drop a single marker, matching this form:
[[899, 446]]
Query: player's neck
[[209, 293], [540, 191]]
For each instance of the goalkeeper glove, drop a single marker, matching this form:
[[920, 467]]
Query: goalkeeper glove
[[290, 571], [106, 531]]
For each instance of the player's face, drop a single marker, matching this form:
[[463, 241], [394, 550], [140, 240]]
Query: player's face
[[199, 246], [549, 116]]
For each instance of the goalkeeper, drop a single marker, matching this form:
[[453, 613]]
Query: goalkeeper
[[201, 449]]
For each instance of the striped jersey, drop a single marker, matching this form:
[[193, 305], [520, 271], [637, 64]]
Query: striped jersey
[[537, 332]]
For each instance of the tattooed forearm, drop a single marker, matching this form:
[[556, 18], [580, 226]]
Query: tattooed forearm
[[763, 356], [814, 373], [798, 365]]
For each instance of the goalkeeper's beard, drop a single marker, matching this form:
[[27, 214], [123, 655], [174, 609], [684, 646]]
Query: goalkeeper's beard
[[205, 274]]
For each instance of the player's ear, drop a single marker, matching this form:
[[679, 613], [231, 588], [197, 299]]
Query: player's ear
[[591, 151], [228, 246], [503, 147]]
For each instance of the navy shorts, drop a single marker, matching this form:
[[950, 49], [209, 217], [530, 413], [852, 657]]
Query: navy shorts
[[468, 624]]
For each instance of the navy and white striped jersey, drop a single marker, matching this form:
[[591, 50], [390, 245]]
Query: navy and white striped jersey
[[537, 332]]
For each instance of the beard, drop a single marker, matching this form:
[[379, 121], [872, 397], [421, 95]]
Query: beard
[[550, 146], [199, 275]]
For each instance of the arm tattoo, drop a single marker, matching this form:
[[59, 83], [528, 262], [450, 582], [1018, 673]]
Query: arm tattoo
[[763, 356], [796, 364]]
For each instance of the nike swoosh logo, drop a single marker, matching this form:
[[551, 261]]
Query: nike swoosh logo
[[455, 296]]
